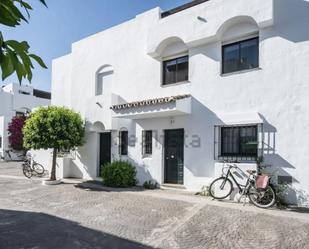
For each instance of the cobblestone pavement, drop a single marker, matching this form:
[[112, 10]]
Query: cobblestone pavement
[[73, 216]]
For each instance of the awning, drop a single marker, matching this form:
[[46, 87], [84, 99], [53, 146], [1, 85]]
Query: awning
[[239, 118], [151, 108]]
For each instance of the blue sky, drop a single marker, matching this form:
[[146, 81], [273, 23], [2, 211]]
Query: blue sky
[[52, 30]]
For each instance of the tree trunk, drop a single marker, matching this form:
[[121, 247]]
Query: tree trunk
[[53, 171]]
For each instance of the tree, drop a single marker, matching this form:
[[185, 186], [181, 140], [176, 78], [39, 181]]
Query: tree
[[15, 132], [15, 55], [56, 128]]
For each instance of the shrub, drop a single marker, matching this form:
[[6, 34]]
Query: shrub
[[150, 184], [15, 132], [281, 194], [204, 191], [119, 174]]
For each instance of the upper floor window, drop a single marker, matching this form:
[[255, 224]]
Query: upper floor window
[[176, 70], [104, 80], [147, 143], [239, 141], [240, 55], [123, 143]]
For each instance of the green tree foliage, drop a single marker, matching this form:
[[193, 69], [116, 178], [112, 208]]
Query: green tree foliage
[[56, 128], [15, 55]]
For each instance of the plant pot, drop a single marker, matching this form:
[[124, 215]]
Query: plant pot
[[50, 182]]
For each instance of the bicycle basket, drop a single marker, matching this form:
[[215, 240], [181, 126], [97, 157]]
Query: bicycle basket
[[262, 181]]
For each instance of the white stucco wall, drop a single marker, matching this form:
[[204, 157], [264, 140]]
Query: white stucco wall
[[278, 90], [12, 101]]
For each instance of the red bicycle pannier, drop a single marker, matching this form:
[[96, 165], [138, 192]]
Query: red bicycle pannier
[[262, 181]]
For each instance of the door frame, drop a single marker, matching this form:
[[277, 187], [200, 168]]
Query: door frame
[[164, 154], [99, 150]]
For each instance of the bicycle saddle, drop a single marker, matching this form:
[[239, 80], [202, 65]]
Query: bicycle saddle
[[250, 171]]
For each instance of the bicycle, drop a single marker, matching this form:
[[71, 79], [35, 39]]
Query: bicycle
[[257, 187], [7, 156], [31, 167]]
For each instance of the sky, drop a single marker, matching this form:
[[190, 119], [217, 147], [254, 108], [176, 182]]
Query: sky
[[52, 30]]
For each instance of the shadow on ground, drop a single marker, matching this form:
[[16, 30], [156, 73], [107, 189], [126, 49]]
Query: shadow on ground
[[98, 186], [38, 230]]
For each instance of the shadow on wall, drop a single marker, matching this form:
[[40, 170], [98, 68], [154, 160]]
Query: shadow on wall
[[204, 166], [278, 166], [49, 231], [143, 173], [288, 16]]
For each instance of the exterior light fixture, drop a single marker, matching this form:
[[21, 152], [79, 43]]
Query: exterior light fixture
[[99, 104], [201, 19]]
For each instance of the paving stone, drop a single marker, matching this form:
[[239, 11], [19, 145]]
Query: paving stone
[[71, 216]]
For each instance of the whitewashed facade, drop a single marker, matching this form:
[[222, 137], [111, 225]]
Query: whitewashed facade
[[267, 93], [15, 100]]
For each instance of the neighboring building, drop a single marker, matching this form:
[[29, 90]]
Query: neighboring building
[[177, 92], [15, 100]]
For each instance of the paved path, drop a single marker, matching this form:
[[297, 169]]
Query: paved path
[[79, 216]]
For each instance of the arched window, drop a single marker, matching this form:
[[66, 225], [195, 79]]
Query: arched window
[[104, 78], [240, 44]]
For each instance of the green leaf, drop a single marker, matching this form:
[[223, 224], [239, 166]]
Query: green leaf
[[26, 61], [26, 5], [20, 71], [19, 47], [29, 76], [11, 9], [43, 2], [1, 40], [38, 60], [7, 66]]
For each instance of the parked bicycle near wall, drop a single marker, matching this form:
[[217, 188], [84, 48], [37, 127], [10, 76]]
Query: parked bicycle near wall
[[6, 156], [9, 155], [257, 187], [31, 167]]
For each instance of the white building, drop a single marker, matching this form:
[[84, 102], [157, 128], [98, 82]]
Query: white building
[[206, 81], [15, 100]]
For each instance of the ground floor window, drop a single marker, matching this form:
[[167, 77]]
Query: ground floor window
[[123, 143], [147, 143], [239, 141]]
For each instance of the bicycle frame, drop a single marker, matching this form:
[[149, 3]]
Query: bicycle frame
[[241, 187]]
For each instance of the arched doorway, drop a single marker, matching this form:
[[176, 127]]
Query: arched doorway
[[103, 145]]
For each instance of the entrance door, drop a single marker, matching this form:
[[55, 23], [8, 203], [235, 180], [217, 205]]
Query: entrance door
[[105, 149], [173, 153]]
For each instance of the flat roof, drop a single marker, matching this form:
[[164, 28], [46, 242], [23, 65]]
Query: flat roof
[[182, 7]]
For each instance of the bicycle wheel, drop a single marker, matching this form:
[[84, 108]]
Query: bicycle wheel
[[38, 168], [221, 188], [262, 198], [27, 171]]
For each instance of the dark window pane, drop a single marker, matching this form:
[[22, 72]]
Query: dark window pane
[[123, 142], [182, 69], [239, 141], [240, 55], [249, 54], [147, 142], [175, 70], [248, 140], [170, 71], [231, 58]]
